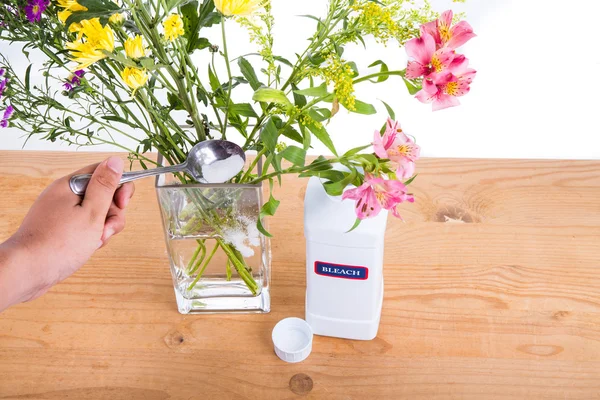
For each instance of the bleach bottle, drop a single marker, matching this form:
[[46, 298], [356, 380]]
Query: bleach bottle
[[344, 271]]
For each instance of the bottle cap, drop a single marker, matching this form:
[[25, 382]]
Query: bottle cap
[[292, 339]]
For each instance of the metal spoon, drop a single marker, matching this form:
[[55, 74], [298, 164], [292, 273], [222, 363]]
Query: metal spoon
[[200, 157]]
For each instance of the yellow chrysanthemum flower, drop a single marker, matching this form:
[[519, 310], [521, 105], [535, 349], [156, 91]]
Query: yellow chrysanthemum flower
[[238, 7], [173, 27], [134, 48], [135, 78], [116, 19], [71, 5], [84, 54], [98, 39]]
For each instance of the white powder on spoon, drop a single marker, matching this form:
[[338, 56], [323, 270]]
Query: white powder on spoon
[[223, 170]]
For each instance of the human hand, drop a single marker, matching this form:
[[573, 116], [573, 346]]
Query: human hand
[[61, 231]]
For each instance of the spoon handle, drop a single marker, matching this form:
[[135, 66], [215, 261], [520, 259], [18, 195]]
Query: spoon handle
[[79, 183]]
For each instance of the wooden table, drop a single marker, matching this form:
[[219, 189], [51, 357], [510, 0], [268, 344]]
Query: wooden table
[[492, 291]]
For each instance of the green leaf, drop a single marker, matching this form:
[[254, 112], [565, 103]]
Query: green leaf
[[27, 77], [413, 87], [306, 137], [364, 108], [249, 73], [191, 20], [356, 224], [267, 210], [201, 95], [321, 133], [270, 95], [354, 151], [147, 63], [337, 188], [171, 4], [243, 109], [389, 109], [408, 182], [99, 5], [319, 114], [214, 81], [295, 155], [269, 135], [175, 102], [207, 15], [384, 68], [293, 134], [329, 175], [299, 99], [318, 91], [283, 61]]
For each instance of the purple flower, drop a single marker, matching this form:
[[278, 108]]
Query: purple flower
[[7, 115], [3, 86], [8, 112], [35, 8], [2, 71], [74, 80]]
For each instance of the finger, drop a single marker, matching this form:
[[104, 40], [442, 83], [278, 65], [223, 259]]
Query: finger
[[102, 187], [124, 194], [113, 226]]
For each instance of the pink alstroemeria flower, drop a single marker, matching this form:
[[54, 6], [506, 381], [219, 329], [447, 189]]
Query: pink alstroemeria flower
[[376, 194], [426, 59], [394, 145], [443, 89], [446, 35]]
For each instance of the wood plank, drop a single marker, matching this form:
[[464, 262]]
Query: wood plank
[[492, 291]]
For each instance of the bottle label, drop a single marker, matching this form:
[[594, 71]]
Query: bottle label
[[341, 271]]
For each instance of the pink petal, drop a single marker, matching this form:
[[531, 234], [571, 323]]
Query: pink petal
[[424, 97], [442, 58], [468, 76], [379, 146], [430, 87], [356, 193], [406, 169], [396, 214], [441, 79], [459, 65], [461, 33], [368, 206], [446, 18], [421, 49], [432, 29], [415, 70], [444, 101]]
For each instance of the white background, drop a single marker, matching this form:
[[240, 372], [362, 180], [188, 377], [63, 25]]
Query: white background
[[536, 94]]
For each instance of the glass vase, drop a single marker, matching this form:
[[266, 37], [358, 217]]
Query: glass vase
[[220, 262]]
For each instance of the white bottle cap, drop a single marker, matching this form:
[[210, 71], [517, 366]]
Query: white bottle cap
[[292, 338]]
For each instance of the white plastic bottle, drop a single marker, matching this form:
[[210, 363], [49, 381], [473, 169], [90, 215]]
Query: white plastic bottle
[[344, 271]]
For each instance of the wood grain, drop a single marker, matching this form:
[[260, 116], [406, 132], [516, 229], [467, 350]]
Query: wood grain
[[492, 292]]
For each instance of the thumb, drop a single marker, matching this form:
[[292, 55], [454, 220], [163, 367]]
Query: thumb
[[103, 184]]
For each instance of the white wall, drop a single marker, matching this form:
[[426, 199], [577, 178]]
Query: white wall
[[536, 94]]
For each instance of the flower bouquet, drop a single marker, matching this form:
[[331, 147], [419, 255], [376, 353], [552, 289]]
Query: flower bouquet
[[155, 73]]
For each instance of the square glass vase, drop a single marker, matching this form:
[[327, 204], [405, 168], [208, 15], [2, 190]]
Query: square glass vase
[[220, 262]]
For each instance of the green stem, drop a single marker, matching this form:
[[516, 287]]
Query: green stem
[[377, 75], [226, 55], [261, 153], [204, 267]]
